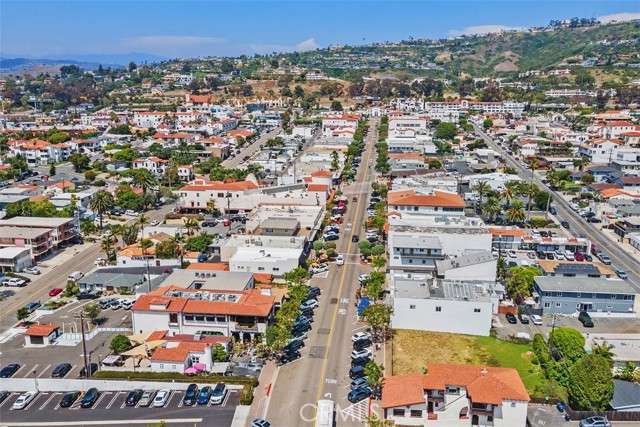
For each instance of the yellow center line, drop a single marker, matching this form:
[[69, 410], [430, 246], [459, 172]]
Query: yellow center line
[[335, 310]]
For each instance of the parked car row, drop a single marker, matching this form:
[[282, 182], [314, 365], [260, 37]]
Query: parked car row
[[301, 326], [361, 355], [116, 303]]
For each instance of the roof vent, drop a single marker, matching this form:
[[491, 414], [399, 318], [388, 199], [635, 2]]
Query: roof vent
[[484, 371]]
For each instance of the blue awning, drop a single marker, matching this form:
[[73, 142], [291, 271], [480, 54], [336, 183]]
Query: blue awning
[[364, 303]]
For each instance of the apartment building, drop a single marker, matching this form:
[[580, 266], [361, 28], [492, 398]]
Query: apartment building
[[38, 152], [155, 165], [456, 396], [61, 230], [438, 202]]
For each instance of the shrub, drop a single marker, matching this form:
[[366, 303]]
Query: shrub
[[246, 398], [175, 376], [537, 222], [540, 349]]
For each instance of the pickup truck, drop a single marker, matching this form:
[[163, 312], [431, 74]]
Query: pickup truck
[[14, 281]]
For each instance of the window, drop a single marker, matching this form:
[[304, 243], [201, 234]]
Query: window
[[558, 305], [547, 304], [199, 317], [489, 418], [412, 307], [438, 309], [613, 296], [188, 317], [410, 261], [513, 404], [628, 297], [210, 318], [220, 194], [173, 318], [416, 413], [260, 268], [415, 208], [476, 310], [452, 390], [593, 296], [398, 412], [162, 366], [578, 295]]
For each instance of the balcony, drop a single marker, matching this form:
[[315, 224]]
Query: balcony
[[243, 327], [480, 409]]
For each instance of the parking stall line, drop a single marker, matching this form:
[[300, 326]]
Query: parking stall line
[[226, 399], [95, 405], [113, 399], [173, 393], [35, 399], [20, 369], [43, 371], [71, 370], [47, 401], [9, 398]]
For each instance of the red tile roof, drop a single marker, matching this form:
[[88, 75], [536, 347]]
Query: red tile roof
[[41, 330], [438, 198], [322, 173], [506, 232], [209, 266], [402, 390], [222, 186], [178, 353], [317, 187]]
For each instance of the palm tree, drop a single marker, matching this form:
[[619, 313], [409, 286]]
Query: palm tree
[[510, 192], [530, 190], [101, 203], [334, 160], [628, 372], [145, 180], [482, 188], [107, 246], [516, 212], [191, 225], [142, 221], [492, 208], [211, 206], [603, 350], [501, 268]]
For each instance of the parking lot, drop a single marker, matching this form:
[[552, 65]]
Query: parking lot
[[110, 405]]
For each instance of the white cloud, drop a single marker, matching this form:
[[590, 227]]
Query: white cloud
[[484, 29], [625, 16], [309, 44], [172, 45]]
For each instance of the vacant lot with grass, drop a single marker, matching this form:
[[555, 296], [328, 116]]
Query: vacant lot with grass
[[413, 350]]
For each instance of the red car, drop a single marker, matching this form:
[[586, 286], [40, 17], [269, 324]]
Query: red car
[[55, 291], [578, 256]]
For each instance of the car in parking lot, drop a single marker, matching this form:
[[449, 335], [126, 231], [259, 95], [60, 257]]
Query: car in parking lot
[[365, 352], [559, 255], [147, 398], [293, 345], [24, 400], [14, 282], [330, 237], [340, 260], [359, 394], [541, 255], [32, 306], [87, 295], [55, 291], [605, 260], [289, 356], [301, 327], [3, 395], [90, 397], [524, 319], [594, 220], [9, 370], [536, 320], [259, 422], [578, 256], [511, 318], [93, 368], [127, 303], [585, 319], [531, 255], [133, 397], [360, 361], [69, 398], [360, 336], [363, 277], [190, 395], [218, 394], [595, 422], [358, 382], [106, 302], [362, 344], [115, 305], [550, 256], [313, 291], [161, 398], [61, 370], [320, 268], [130, 212], [569, 255], [512, 254], [154, 223], [32, 270], [622, 274], [204, 395], [310, 303]]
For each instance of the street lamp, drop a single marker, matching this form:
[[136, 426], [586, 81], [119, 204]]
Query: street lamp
[[228, 196]]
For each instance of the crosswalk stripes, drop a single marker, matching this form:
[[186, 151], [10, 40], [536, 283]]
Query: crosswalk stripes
[[359, 410]]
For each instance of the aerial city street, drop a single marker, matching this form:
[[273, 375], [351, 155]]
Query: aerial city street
[[267, 222]]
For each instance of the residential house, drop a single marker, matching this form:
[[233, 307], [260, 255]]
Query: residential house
[[627, 161], [60, 230], [601, 172], [436, 203], [38, 152], [456, 396], [599, 150], [574, 269], [15, 259], [41, 335], [453, 306], [616, 128], [135, 256], [569, 295], [154, 165]]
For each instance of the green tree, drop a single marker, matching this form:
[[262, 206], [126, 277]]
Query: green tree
[[52, 170], [374, 421], [169, 249], [435, 164], [335, 160], [487, 123], [492, 208], [22, 313], [603, 350], [378, 317], [101, 203], [191, 225], [378, 262], [92, 311], [568, 342], [218, 353], [336, 106], [482, 188], [591, 383], [107, 246], [510, 192], [519, 284], [375, 375], [80, 162], [199, 243], [144, 179], [628, 372], [445, 130], [516, 212], [297, 276], [119, 344], [129, 233]]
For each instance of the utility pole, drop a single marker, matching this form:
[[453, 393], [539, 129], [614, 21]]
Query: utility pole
[[229, 212], [553, 327], [84, 346]]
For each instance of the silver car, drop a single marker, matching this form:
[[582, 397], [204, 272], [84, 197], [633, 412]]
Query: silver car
[[147, 398]]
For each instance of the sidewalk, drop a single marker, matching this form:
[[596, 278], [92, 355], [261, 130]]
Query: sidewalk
[[262, 393]]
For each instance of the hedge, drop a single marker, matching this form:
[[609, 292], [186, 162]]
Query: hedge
[[19, 276], [175, 376], [246, 398]]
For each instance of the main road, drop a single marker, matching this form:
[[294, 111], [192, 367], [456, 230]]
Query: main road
[[322, 372], [249, 150], [620, 258], [83, 260]]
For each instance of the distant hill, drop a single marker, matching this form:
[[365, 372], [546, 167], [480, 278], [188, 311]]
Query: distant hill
[[87, 62]]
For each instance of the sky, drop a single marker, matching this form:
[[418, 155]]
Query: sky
[[173, 29]]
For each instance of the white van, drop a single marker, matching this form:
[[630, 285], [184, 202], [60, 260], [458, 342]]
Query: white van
[[75, 276]]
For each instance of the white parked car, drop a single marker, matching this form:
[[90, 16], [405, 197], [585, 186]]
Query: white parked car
[[320, 268], [362, 277], [131, 212], [14, 281], [127, 303], [309, 304], [32, 270], [365, 352], [154, 222], [360, 336], [24, 400], [536, 320], [340, 260], [161, 398], [100, 261]]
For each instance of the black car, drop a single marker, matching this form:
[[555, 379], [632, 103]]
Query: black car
[[313, 291], [69, 398], [594, 220], [588, 258], [293, 345], [9, 370], [89, 398], [133, 397], [289, 356], [541, 255], [585, 319], [355, 238], [86, 295], [356, 372], [191, 395], [3, 395], [61, 370], [362, 343], [307, 311], [360, 361], [301, 327], [93, 368], [511, 318], [565, 224]]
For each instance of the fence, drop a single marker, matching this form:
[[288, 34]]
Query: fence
[[579, 415], [525, 309]]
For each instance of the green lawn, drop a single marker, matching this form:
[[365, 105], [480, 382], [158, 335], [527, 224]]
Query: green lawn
[[414, 349]]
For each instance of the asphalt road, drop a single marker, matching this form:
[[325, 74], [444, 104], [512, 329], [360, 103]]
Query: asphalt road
[[249, 150], [578, 225], [39, 288], [322, 372], [45, 410]]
